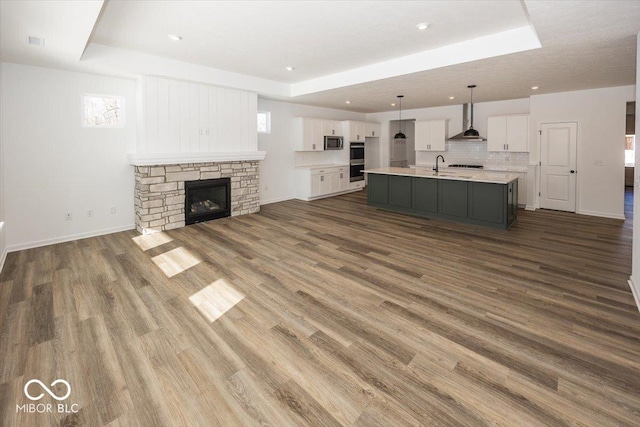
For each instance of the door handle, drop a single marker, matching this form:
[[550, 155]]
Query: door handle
[[572, 171]]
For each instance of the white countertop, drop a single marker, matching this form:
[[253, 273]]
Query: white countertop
[[486, 168], [466, 175], [329, 165]]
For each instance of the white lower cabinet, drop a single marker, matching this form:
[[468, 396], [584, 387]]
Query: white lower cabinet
[[322, 181], [357, 185]]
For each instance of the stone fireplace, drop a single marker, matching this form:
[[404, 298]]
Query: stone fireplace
[[160, 191]]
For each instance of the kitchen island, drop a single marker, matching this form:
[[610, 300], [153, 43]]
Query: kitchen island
[[475, 197]]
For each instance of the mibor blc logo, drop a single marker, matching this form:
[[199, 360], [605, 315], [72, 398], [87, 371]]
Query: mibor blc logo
[[39, 408]]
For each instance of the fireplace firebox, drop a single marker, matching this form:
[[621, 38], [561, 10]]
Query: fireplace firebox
[[207, 199]]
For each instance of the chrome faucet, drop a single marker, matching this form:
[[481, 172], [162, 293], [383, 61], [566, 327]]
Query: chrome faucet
[[443, 160]]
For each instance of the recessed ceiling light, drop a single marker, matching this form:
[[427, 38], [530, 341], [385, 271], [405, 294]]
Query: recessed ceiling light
[[535, 87], [422, 26], [452, 97], [289, 68], [348, 102], [393, 104], [174, 37], [36, 41]]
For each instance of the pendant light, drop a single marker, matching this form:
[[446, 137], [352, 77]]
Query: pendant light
[[400, 135]]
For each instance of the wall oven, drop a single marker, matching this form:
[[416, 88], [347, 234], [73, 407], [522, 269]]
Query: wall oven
[[356, 161]]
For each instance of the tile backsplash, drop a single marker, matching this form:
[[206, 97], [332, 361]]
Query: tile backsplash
[[474, 153]]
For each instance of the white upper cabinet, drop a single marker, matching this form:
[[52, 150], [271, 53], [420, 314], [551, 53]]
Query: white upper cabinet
[[508, 133], [331, 128], [372, 130], [358, 131], [309, 134], [431, 135]]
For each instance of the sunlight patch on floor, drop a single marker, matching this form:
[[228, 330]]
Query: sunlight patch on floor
[[216, 299], [150, 241], [175, 261]]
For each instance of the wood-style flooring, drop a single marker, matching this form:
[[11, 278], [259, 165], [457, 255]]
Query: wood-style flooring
[[328, 313]]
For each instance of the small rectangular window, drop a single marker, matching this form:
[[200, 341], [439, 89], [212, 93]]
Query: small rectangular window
[[630, 150], [264, 122], [102, 111]]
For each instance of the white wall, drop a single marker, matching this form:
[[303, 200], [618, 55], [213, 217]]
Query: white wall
[[52, 165], [3, 244], [277, 169], [600, 114], [635, 271]]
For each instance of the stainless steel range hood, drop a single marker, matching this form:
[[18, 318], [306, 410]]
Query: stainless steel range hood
[[469, 134]]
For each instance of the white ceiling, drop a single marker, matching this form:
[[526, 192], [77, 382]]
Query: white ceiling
[[261, 38], [65, 25], [363, 51]]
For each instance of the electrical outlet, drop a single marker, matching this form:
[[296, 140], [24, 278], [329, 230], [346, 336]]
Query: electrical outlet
[[68, 216], [113, 210], [598, 162], [89, 213]]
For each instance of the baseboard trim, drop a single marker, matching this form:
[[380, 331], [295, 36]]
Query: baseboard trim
[[276, 200], [635, 290], [3, 258], [602, 214], [310, 199], [69, 238]]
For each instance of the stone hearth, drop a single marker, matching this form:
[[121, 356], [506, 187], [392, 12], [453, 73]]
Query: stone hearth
[[159, 191]]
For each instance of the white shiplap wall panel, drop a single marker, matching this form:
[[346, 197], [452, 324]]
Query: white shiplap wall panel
[[151, 104], [214, 127], [164, 101], [183, 146], [252, 121], [174, 116], [185, 117], [231, 119], [194, 119], [203, 118], [221, 119]]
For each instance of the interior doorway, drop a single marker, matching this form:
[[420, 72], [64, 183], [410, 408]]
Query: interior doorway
[[402, 152], [630, 146]]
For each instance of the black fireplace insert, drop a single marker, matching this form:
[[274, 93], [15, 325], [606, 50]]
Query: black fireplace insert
[[207, 199]]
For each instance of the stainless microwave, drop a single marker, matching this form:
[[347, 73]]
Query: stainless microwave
[[333, 143]]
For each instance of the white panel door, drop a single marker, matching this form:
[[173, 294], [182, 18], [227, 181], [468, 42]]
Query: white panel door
[[558, 146]]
